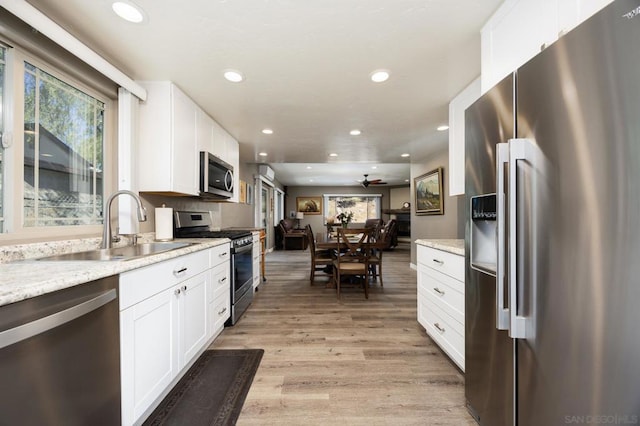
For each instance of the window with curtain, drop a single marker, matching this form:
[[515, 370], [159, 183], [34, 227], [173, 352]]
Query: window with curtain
[[63, 152], [363, 206]]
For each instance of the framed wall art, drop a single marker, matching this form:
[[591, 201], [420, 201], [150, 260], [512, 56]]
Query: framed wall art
[[428, 189], [309, 205]]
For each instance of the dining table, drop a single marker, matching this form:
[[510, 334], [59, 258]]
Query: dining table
[[325, 241]]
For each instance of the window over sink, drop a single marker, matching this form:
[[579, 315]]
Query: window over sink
[[63, 152]]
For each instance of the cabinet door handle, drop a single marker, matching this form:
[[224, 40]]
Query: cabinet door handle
[[222, 311], [437, 290], [184, 288], [440, 329], [225, 254], [221, 280], [179, 271], [176, 292], [439, 262]]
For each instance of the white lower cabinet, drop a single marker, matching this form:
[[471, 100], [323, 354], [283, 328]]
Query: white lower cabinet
[[167, 318], [441, 299], [149, 352]]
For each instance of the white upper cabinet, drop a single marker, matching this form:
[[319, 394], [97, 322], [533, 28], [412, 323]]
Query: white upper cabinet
[[168, 156], [457, 106], [521, 28], [173, 131]]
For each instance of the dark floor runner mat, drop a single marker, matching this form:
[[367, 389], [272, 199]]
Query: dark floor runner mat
[[212, 392]]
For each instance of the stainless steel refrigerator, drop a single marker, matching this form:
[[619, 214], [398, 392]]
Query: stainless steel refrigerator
[[553, 233]]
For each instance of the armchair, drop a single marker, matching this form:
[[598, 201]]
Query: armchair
[[291, 238]]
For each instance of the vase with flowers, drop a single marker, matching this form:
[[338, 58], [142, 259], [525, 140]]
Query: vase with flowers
[[345, 218]]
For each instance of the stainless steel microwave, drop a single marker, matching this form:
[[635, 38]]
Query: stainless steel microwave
[[216, 177]]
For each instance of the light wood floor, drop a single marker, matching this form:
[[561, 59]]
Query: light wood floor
[[350, 361]]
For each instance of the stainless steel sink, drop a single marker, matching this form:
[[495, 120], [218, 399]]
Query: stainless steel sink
[[118, 253]]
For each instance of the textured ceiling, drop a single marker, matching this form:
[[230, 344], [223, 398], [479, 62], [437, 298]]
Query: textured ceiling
[[307, 66]]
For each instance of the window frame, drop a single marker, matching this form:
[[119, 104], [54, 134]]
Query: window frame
[[14, 229], [325, 203]]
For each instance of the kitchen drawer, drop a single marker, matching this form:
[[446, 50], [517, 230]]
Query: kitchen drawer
[[444, 330], [220, 281], [140, 284], [446, 290], [220, 311], [219, 254], [445, 262]]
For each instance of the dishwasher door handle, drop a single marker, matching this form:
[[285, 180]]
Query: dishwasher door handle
[[33, 328]]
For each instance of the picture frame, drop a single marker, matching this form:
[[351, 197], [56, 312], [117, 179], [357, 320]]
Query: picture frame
[[309, 205], [428, 192], [243, 192], [249, 193]]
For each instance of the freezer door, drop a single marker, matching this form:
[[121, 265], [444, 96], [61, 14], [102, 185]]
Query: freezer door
[[578, 233], [488, 351]]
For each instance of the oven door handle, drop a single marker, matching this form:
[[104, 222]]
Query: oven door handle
[[243, 249]]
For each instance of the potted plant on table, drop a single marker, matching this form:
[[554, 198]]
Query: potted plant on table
[[345, 218]]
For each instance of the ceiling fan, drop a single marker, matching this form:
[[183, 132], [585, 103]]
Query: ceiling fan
[[366, 183]]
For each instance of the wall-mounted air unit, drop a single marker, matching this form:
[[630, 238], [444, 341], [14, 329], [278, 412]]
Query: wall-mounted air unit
[[266, 171]]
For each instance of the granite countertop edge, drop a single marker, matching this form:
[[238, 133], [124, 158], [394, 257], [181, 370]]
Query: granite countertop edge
[[29, 278], [454, 246]]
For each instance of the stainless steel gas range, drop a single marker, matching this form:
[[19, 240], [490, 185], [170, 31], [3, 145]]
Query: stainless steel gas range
[[197, 225]]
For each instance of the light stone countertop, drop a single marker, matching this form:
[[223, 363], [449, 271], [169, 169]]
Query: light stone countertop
[[451, 246], [29, 278]]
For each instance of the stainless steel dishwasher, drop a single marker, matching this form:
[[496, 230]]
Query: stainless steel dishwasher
[[60, 357]]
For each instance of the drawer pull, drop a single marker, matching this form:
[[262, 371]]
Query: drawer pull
[[180, 271], [176, 292], [439, 262], [221, 280], [437, 290], [440, 329], [222, 311], [184, 288], [224, 254]]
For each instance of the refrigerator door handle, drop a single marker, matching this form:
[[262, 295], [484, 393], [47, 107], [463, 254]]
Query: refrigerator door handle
[[502, 312], [518, 151]]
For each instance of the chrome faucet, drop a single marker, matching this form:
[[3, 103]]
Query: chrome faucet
[[106, 230]]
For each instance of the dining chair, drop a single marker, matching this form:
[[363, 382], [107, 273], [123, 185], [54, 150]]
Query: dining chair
[[354, 260], [375, 258], [320, 259]]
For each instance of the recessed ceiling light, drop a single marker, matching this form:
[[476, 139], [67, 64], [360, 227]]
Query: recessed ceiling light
[[233, 76], [46, 155], [262, 154], [443, 128], [128, 11], [310, 180], [355, 132], [379, 76], [309, 167], [404, 155], [374, 167], [267, 131], [406, 180], [333, 154]]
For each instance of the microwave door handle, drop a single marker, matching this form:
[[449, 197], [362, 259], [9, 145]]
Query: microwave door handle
[[502, 312], [228, 180]]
